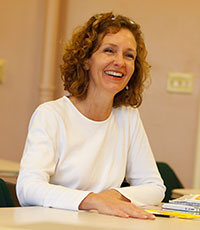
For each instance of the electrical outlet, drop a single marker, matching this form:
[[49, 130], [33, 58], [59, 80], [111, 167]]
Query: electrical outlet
[[2, 70], [180, 82]]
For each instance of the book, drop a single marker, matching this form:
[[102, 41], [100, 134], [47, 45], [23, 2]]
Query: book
[[181, 207], [190, 200], [160, 211], [171, 213]]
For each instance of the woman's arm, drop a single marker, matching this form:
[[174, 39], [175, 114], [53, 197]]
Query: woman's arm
[[146, 185], [39, 163]]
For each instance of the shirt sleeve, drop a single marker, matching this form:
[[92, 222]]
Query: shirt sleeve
[[38, 164], [147, 186]]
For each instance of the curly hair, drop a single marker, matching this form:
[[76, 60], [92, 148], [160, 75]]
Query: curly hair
[[86, 40]]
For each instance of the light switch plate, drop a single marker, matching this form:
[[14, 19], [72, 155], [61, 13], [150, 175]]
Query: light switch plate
[[180, 82]]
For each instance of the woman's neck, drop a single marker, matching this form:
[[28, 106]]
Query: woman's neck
[[97, 109]]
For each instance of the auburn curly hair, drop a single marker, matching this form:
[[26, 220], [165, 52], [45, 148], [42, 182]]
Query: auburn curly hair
[[86, 40]]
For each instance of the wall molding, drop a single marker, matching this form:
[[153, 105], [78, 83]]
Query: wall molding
[[50, 44], [196, 183]]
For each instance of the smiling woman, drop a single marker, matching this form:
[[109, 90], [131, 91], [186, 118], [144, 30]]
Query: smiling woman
[[80, 147]]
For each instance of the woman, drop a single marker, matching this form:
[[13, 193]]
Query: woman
[[80, 147]]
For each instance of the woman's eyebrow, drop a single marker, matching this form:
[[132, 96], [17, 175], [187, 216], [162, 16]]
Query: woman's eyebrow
[[114, 45]]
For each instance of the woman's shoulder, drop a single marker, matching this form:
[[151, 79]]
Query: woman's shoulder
[[126, 111], [127, 117], [53, 105], [127, 114], [52, 108], [49, 112]]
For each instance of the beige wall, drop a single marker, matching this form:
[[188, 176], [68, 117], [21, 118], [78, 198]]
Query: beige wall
[[21, 31], [172, 34]]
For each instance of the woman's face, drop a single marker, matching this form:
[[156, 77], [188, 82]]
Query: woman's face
[[113, 63]]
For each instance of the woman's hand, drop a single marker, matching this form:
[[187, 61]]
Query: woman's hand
[[112, 202]]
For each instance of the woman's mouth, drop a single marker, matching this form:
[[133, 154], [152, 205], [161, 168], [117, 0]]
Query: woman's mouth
[[114, 74]]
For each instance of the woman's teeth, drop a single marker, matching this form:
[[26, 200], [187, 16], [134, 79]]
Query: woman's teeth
[[114, 74]]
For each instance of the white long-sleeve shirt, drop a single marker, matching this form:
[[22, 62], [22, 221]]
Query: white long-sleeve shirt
[[67, 156]]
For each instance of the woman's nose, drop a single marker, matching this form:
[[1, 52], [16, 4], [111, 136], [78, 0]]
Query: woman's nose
[[119, 60]]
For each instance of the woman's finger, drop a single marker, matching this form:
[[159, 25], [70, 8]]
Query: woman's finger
[[136, 212]]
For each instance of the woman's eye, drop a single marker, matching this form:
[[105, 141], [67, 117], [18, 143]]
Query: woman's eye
[[131, 56], [108, 50]]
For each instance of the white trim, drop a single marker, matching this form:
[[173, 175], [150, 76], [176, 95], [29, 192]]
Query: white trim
[[196, 183], [47, 81]]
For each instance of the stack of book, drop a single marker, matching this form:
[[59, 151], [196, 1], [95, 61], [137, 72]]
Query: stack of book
[[187, 206]]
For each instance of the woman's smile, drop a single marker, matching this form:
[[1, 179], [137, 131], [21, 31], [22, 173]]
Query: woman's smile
[[114, 74]]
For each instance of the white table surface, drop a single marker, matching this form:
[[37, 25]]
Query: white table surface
[[9, 168], [32, 218]]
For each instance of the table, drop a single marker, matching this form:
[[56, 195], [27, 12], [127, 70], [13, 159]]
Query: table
[[176, 193], [32, 218], [8, 168]]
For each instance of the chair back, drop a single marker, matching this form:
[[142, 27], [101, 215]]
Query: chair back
[[170, 179], [5, 197]]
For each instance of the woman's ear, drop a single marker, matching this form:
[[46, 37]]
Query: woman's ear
[[86, 65]]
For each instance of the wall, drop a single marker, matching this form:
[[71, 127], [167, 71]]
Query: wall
[[21, 31], [172, 35]]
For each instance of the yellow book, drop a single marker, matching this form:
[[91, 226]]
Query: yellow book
[[173, 214], [159, 211]]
